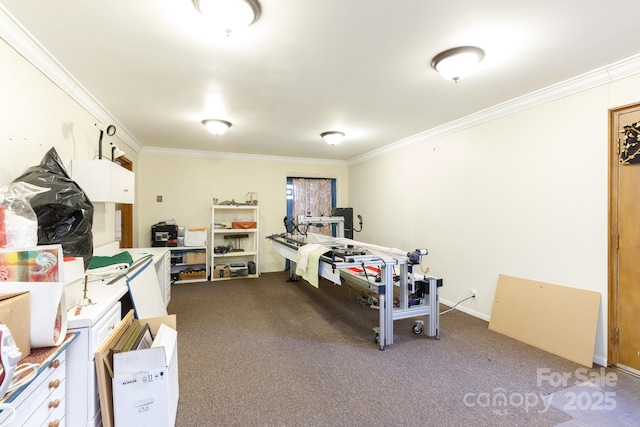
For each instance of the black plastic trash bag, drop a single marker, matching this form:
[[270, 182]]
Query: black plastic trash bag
[[65, 213]]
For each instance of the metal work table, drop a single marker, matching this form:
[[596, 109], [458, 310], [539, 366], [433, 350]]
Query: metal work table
[[344, 256]]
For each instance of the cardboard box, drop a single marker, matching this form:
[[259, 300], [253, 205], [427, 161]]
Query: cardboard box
[[15, 312], [144, 390], [195, 258], [145, 382], [193, 275], [221, 270]]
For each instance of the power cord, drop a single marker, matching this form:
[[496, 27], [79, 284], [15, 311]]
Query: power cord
[[424, 270], [459, 302], [19, 380]]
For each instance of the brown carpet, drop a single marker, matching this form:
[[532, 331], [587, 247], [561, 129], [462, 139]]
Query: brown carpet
[[268, 352]]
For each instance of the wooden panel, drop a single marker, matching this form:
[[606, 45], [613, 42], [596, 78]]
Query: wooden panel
[[628, 291], [146, 294], [557, 319]]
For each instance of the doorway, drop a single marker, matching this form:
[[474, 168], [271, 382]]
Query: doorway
[[312, 197], [624, 238], [124, 214]]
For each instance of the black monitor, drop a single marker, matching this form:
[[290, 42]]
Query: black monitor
[[347, 214]]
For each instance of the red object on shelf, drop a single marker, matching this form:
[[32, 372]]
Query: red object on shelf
[[243, 224]]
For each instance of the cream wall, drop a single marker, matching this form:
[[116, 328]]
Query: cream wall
[[35, 115], [523, 195], [189, 184]]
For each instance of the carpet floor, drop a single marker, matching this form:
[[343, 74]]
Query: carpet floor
[[270, 352]]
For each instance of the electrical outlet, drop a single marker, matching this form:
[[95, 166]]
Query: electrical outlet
[[474, 293]]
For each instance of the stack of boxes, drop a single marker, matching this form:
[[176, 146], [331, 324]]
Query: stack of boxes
[[195, 273]]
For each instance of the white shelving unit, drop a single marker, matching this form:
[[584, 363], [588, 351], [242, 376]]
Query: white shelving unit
[[188, 258], [234, 242]]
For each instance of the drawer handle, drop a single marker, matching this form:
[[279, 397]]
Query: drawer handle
[[55, 364], [54, 403], [55, 383], [54, 423]]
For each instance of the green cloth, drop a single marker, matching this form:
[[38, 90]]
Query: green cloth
[[105, 261]]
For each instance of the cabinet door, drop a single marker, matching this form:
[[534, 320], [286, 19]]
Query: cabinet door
[[93, 177], [122, 184], [104, 181], [103, 327]]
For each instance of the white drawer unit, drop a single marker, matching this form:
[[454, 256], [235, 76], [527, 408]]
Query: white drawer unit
[[83, 404], [93, 324], [41, 402], [101, 330]]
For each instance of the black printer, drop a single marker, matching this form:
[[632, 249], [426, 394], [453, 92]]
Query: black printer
[[164, 235]]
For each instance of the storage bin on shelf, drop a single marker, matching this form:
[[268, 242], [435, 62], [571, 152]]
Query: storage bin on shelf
[[244, 225], [193, 274], [195, 257]]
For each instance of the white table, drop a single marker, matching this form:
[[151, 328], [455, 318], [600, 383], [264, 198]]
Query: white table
[[93, 324]]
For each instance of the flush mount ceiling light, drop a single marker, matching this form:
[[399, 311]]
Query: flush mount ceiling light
[[332, 137], [229, 14], [456, 63], [216, 127]]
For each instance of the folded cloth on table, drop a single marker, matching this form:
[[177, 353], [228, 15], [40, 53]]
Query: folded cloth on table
[[110, 264], [307, 262], [109, 270]]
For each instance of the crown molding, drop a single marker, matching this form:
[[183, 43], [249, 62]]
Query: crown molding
[[597, 77], [173, 152], [20, 39]]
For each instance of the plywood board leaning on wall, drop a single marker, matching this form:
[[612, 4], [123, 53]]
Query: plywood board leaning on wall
[[554, 318]]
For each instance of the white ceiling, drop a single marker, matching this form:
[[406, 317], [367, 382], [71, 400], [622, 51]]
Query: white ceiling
[[309, 66]]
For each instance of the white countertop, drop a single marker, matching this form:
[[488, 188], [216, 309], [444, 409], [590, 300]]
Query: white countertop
[[102, 294]]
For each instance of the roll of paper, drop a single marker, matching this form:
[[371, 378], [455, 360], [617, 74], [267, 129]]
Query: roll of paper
[[3, 232], [39, 271]]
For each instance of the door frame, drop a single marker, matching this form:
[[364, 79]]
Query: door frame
[[126, 230], [614, 164], [291, 196]]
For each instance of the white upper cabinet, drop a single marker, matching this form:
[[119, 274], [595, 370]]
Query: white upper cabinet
[[104, 180]]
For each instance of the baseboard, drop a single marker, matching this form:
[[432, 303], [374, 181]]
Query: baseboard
[[467, 310], [598, 360]]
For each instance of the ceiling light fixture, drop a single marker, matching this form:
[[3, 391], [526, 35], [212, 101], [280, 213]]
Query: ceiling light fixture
[[216, 127], [229, 14], [458, 62], [332, 137]]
